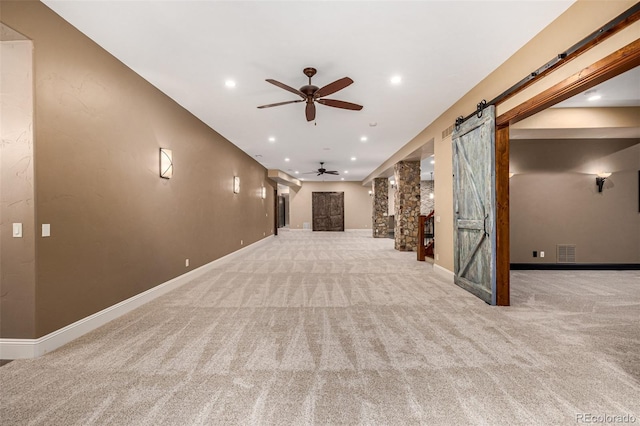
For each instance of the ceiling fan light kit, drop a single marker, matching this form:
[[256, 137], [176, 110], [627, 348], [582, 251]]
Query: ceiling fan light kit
[[311, 94]]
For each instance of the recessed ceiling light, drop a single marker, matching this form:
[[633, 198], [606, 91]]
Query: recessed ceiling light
[[272, 139], [363, 139], [433, 161], [592, 95], [396, 79], [296, 172], [301, 178], [346, 171], [286, 159], [341, 178], [258, 155], [353, 158], [373, 124], [230, 84]]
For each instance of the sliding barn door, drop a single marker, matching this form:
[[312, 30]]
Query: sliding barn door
[[328, 211], [474, 205]]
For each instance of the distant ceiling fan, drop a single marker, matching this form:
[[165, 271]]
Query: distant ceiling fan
[[323, 171], [311, 94]]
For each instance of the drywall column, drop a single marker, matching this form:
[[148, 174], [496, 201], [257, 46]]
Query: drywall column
[[407, 205], [380, 207], [17, 249]]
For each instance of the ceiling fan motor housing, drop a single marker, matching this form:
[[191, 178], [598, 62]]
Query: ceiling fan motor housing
[[309, 90]]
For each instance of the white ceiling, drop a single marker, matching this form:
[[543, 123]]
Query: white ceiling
[[188, 49], [620, 91]]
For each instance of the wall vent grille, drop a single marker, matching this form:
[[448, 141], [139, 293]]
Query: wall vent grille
[[566, 253], [446, 132]]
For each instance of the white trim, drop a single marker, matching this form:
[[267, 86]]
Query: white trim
[[33, 348], [444, 272]]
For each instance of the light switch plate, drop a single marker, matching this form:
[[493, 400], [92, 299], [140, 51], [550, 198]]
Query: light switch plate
[[17, 230], [46, 230]]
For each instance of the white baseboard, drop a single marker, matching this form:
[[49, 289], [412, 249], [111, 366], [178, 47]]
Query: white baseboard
[[444, 272], [33, 348]]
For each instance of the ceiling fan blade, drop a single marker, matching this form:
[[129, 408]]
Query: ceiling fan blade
[[285, 87], [332, 172], [281, 103], [333, 87], [340, 104], [310, 111]]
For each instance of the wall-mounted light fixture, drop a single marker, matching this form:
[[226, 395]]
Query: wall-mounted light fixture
[[431, 195], [263, 193], [166, 163], [511, 175], [370, 193], [602, 176], [236, 184]]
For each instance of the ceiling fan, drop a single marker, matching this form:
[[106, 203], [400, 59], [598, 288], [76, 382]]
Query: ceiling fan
[[311, 94], [323, 171]]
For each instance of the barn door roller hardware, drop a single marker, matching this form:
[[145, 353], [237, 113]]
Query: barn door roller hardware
[[623, 20]]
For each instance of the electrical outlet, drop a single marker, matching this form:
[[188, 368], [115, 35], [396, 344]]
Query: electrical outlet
[[541, 254], [186, 262], [535, 253], [17, 230]]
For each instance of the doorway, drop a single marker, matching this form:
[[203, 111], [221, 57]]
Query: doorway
[[327, 211]]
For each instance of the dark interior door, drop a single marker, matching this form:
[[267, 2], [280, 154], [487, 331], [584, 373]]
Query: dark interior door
[[474, 195], [328, 211]]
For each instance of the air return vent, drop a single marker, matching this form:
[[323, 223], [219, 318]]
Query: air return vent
[[446, 132], [566, 253]]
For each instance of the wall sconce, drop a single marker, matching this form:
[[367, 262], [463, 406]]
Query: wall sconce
[[263, 193], [600, 179], [166, 163], [370, 193], [511, 175], [236, 184]]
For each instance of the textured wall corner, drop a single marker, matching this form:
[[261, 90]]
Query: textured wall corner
[[426, 203]]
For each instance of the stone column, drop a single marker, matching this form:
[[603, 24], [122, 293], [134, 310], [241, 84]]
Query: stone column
[[380, 208], [407, 205]]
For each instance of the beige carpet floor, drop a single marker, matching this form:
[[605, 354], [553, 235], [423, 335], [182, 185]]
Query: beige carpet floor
[[339, 328]]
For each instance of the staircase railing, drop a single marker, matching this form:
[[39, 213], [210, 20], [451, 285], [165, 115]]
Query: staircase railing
[[426, 236]]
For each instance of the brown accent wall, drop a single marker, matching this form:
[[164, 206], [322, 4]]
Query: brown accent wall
[[17, 255], [117, 228], [555, 200]]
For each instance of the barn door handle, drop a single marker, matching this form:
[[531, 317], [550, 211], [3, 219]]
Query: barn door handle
[[484, 224]]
